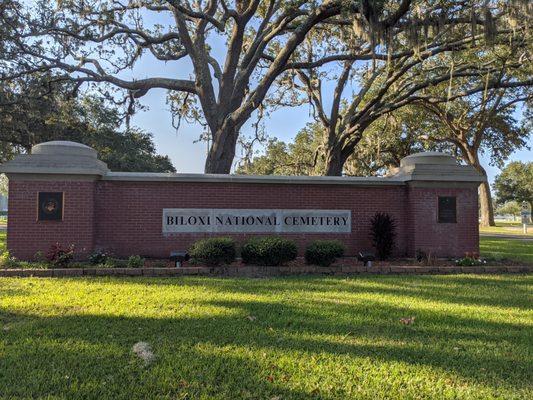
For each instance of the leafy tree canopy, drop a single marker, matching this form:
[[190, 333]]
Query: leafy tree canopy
[[515, 183], [38, 109], [509, 208], [383, 145], [297, 158]]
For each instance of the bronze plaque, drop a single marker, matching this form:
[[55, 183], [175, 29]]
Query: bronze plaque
[[50, 206], [447, 209]]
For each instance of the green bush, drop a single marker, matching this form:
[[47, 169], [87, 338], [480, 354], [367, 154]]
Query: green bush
[[213, 251], [7, 261], [268, 250], [98, 257], [323, 252], [39, 257], [135, 262]]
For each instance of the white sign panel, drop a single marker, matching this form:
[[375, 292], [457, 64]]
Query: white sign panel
[[215, 220]]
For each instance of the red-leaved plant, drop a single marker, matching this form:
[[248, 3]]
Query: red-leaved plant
[[60, 256]]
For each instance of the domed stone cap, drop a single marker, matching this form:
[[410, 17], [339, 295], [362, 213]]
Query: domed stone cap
[[433, 166], [57, 158], [428, 157], [64, 147]]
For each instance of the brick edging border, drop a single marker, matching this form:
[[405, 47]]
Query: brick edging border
[[261, 271]]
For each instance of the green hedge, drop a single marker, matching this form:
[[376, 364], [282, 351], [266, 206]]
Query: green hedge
[[135, 262], [213, 251], [268, 250], [98, 257], [323, 252]]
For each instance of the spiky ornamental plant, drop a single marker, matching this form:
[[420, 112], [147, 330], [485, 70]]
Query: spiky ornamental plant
[[383, 234]]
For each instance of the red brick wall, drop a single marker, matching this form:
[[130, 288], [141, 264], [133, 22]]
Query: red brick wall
[[26, 236], [442, 239], [130, 213], [126, 217]]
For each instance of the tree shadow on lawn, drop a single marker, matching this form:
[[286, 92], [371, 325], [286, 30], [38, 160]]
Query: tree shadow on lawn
[[453, 289], [78, 366], [89, 355]]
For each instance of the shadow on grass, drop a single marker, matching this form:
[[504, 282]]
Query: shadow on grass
[[452, 289], [89, 355]]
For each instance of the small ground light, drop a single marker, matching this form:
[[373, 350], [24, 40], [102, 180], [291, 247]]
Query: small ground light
[[179, 257], [366, 257]]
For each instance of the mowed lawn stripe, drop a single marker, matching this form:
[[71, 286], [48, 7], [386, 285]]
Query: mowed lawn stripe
[[285, 338], [517, 250]]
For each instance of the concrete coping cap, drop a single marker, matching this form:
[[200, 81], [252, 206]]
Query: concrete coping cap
[[428, 157], [64, 148], [61, 157]]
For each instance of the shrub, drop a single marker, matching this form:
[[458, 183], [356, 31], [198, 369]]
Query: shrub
[[383, 233], [98, 257], [4, 257], [114, 263], [135, 262], [60, 256], [213, 251], [268, 250], [39, 257], [8, 261], [323, 252]]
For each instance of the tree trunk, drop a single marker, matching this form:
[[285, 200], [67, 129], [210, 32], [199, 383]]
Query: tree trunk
[[222, 152], [334, 161], [485, 203], [485, 199]]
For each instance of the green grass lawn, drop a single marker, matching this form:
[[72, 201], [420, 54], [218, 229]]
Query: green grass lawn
[[506, 228], [510, 249], [280, 338]]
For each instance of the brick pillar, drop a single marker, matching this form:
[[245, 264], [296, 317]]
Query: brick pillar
[[52, 199], [28, 235], [432, 176], [443, 239]]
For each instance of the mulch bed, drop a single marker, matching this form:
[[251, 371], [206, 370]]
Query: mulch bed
[[343, 267], [342, 262]]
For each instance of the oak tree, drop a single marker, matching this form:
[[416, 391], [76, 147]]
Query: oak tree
[[236, 49], [406, 68]]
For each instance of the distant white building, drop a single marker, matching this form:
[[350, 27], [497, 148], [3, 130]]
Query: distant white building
[[3, 202]]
